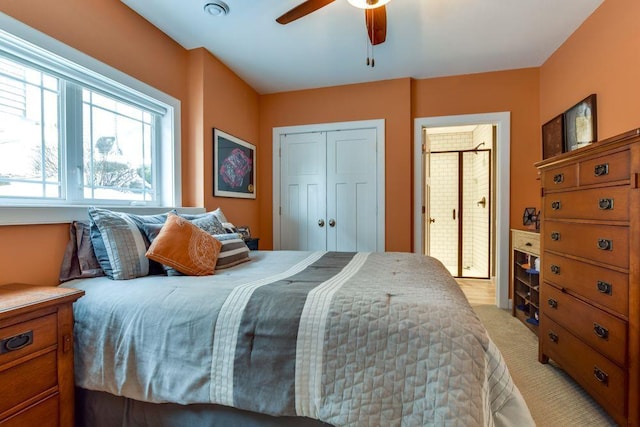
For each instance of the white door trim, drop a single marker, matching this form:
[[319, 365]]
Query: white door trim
[[378, 124], [502, 121]]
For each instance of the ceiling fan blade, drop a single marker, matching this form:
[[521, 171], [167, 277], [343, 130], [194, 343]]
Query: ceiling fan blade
[[376, 24], [302, 9]]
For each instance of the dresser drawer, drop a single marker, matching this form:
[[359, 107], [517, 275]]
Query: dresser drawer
[[27, 380], [43, 414], [559, 178], [603, 286], [603, 243], [607, 204], [613, 167], [583, 364], [525, 241], [602, 331], [35, 334]]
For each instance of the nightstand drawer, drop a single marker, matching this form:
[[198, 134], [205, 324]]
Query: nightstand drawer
[[614, 167], [608, 204], [601, 243], [44, 414], [526, 241], [603, 286], [27, 337], [602, 331], [599, 376], [27, 380]]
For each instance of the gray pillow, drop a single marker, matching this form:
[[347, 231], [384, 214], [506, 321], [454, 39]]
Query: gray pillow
[[119, 243]]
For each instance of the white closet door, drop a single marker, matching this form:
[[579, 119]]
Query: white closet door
[[352, 190], [303, 191]]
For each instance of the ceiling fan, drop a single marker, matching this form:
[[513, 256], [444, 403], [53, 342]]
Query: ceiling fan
[[374, 12]]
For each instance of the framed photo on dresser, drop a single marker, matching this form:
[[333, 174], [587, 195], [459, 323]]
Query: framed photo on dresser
[[580, 124], [553, 137]]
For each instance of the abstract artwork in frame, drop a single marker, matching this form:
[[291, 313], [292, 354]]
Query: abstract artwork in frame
[[553, 137], [234, 166], [580, 124]]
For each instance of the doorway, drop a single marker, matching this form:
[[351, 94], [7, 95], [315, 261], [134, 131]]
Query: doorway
[[501, 211], [458, 214]]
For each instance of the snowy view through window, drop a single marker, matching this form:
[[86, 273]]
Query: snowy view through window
[[61, 141]]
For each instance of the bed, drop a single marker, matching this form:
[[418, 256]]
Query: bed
[[290, 338]]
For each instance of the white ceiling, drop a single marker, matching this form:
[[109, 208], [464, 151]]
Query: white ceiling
[[425, 38]]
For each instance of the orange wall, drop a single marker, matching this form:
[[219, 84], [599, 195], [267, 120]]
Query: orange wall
[[112, 33], [601, 57], [515, 91], [230, 105], [389, 100]]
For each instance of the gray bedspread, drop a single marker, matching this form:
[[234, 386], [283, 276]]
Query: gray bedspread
[[371, 339]]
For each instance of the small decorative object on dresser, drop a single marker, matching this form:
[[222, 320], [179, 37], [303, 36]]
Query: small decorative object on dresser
[[590, 292], [525, 286], [36, 355]]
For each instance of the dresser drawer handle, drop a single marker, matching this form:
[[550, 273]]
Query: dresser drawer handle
[[552, 336], [552, 303], [605, 244], [16, 342], [555, 269], [601, 170], [601, 331], [605, 204], [555, 205], [604, 287], [601, 375], [555, 236], [558, 178]]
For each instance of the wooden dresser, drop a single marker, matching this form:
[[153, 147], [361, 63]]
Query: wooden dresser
[[36, 355], [590, 292]]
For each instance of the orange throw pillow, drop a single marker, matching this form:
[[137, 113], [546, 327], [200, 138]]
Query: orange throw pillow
[[185, 247]]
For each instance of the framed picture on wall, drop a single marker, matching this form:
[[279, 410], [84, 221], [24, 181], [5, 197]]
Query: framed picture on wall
[[553, 137], [234, 170], [580, 124]]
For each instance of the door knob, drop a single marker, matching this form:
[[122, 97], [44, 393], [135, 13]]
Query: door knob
[[432, 220], [332, 222], [321, 222], [482, 202]]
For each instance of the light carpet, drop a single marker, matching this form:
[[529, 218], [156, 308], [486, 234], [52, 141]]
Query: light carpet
[[554, 399]]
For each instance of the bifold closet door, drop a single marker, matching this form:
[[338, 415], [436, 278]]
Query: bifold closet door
[[351, 191], [328, 191], [303, 159]]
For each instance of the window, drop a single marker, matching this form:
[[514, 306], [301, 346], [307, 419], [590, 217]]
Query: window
[[71, 135]]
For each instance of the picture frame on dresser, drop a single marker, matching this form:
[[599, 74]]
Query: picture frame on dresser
[[581, 124], [553, 137]]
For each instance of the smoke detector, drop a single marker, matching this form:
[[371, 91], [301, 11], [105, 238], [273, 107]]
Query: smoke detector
[[216, 8]]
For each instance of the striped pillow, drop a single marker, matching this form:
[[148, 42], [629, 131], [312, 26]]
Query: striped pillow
[[119, 243], [234, 250]]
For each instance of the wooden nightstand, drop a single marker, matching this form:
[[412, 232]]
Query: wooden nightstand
[[36, 355], [252, 242]]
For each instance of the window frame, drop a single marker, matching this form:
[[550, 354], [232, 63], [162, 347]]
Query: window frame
[[94, 75]]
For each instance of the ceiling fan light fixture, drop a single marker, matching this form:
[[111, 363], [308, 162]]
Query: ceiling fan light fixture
[[216, 8], [368, 4]]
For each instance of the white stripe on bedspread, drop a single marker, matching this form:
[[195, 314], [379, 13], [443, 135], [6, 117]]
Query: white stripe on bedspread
[[310, 343], [226, 331]]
